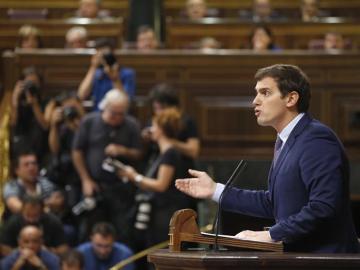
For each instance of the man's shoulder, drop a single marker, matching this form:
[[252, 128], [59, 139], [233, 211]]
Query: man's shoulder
[[125, 71], [84, 247], [48, 256], [123, 249], [131, 121]]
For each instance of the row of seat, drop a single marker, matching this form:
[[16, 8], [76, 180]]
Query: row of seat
[[233, 34], [62, 8]]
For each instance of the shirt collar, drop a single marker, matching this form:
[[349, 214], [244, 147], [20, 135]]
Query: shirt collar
[[285, 133]]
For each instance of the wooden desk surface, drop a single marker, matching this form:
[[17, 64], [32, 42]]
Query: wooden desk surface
[[163, 259]]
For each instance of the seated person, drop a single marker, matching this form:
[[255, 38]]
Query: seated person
[[102, 252], [196, 9], [91, 9], [334, 41], [30, 254], [105, 74], [58, 206], [29, 38], [261, 12], [310, 11], [262, 39], [76, 38], [32, 213], [146, 39], [27, 182], [160, 179], [27, 120], [209, 43], [72, 260]]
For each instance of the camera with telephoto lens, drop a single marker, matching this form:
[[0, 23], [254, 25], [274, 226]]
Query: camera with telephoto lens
[[70, 113], [87, 204]]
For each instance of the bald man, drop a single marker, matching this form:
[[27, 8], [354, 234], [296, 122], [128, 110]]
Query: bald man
[[30, 254]]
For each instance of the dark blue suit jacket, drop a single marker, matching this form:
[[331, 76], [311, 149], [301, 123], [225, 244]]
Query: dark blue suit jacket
[[308, 193]]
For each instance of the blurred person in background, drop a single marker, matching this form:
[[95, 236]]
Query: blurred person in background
[[111, 133], [29, 38], [27, 182], [30, 253], [76, 38], [91, 9], [334, 41], [27, 120], [262, 39], [105, 74], [72, 260], [103, 252], [32, 213], [310, 11], [146, 39], [262, 11], [159, 179], [196, 9]]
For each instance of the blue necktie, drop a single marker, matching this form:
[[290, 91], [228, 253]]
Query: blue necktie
[[277, 149]]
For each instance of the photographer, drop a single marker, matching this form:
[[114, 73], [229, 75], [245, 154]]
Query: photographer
[[28, 124], [64, 113], [109, 133], [104, 74]]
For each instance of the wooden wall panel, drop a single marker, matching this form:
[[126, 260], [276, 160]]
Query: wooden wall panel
[[217, 90]]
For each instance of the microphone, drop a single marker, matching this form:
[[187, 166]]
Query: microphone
[[239, 168]]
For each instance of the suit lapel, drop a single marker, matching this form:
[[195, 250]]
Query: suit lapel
[[298, 129]]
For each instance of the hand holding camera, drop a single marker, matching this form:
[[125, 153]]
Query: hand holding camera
[[114, 150]]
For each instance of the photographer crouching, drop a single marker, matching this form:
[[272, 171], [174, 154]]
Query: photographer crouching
[[28, 124]]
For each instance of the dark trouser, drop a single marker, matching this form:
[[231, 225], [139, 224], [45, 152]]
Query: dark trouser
[[115, 204]]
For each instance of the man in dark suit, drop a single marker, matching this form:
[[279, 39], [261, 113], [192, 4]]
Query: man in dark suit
[[308, 194]]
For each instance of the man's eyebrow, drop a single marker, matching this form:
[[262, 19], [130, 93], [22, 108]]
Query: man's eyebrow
[[262, 89]]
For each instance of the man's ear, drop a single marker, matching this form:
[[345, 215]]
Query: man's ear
[[292, 99]]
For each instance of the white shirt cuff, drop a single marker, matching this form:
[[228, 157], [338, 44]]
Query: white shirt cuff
[[218, 190]]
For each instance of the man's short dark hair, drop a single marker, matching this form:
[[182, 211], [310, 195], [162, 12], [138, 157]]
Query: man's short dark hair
[[25, 152], [164, 94], [105, 229], [289, 78]]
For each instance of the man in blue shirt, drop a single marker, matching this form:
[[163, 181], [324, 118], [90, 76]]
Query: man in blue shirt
[[30, 254], [102, 252], [105, 74]]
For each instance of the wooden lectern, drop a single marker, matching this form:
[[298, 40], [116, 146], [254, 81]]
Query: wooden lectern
[[183, 228]]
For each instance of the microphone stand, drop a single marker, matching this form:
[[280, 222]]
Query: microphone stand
[[239, 168]]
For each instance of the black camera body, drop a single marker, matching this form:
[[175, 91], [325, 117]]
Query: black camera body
[[70, 113], [109, 58], [31, 88]]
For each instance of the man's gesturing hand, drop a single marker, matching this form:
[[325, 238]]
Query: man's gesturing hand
[[201, 186]]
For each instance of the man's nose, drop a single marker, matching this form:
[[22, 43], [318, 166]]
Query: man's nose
[[255, 101]]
